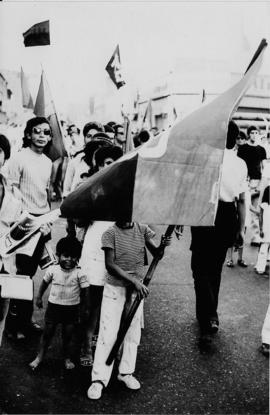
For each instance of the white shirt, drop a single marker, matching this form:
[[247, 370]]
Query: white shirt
[[92, 258], [31, 173], [233, 176]]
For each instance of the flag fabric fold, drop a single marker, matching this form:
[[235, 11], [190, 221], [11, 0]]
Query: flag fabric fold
[[38, 34], [171, 179], [44, 107], [113, 68], [27, 101]]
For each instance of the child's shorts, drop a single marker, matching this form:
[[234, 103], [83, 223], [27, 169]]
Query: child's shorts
[[65, 314]]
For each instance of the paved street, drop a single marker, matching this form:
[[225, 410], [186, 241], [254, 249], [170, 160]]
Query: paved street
[[176, 376]]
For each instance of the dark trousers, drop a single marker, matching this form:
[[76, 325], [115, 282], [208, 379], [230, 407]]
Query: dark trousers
[[209, 245], [21, 311]]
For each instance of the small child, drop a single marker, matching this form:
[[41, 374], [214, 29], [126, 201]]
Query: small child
[[68, 285], [264, 222], [123, 244]]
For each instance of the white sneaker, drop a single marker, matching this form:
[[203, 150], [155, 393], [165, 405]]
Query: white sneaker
[[130, 381], [95, 390]]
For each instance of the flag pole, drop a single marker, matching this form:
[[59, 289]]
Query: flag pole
[[125, 324]]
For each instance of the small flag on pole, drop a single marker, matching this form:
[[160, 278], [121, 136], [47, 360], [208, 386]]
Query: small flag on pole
[[114, 69], [37, 35], [27, 101], [44, 107]]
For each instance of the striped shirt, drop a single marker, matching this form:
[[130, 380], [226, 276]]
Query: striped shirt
[[128, 246], [31, 173], [66, 284]]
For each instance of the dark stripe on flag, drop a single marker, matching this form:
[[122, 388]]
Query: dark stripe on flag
[[107, 195]]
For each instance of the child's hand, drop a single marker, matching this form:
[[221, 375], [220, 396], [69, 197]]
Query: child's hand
[[165, 241], [39, 302], [141, 288], [178, 230], [45, 229]]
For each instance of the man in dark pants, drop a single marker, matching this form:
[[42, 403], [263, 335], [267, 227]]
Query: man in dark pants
[[209, 244], [30, 172]]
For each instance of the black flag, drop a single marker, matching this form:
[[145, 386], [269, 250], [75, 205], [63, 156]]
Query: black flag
[[114, 69], [37, 35]]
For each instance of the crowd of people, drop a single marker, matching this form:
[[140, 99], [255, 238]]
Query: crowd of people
[[100, 265]]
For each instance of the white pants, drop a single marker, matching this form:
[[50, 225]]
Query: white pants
[[262, 257], [111, 310], [266, 328]]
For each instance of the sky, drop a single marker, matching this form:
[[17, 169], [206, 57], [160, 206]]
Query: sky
[[153, 37]]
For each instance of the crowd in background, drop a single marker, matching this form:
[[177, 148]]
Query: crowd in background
[[80, 254]]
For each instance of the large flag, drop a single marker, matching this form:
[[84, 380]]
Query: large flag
[[44, 107], [114, 68], [27, 101], [38, 35], [171, 179]]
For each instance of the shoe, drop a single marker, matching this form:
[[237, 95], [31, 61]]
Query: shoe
[[213, 326], [130, 381], [264, 349], [242, 263], [95, 390], [230, 263]]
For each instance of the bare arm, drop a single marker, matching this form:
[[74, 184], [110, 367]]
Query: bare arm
[[43, 287], [118, 272], [241, 211]]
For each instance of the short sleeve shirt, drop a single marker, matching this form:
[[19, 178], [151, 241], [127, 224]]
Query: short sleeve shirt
[[128, 246], [66, 285]]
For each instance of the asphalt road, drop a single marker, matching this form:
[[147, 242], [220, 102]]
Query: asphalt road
[[177, 377]]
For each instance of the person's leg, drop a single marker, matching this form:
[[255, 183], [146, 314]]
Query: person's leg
[[111, 311], [4, 305], [96, 293], [27, 265], [230, 258], [68, 330], [130, 344], [45, 341], [262, 258]]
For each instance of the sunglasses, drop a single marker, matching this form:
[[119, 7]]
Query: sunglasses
[[37, 130]]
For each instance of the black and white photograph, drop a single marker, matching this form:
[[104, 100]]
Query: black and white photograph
[[134, 207]]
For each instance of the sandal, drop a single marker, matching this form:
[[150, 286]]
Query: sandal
[[264, 349], [242, 263], [230, 263], [86, 360]]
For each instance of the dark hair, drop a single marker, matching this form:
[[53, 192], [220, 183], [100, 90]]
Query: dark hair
[[92, 125], [232, 134], [70, 246], [143, 136], [108, 129], [71, 127], [116, 128], [102, 153], [102, 136], [251, 128], [111, 123], [242, 135], [33, 122], [5, 146]]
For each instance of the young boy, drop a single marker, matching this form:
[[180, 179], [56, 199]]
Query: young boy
[[123, 245], [68, 285]]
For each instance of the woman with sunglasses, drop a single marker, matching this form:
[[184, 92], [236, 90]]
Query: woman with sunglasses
[[30, 171]]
